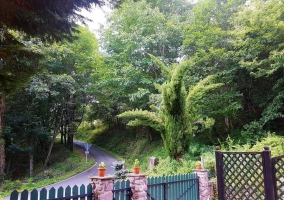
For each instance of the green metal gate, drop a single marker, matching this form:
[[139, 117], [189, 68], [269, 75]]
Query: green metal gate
[[175, 187]]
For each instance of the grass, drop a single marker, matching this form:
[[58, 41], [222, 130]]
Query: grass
[[64, 164]]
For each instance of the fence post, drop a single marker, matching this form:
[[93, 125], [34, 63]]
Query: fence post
[[102, 187], [138, 184], [267, 169], [220, 174], [204, 193]]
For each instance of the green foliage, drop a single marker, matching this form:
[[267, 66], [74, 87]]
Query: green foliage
[[258, 29], [43, 19], [102, 165], [136, 163], [208, 43], [167, 166], [120, 171], [19, 62], [274, 142], [88, 133], [145, 118], [127, 77], [11, 185], [30, 182], [178, 109]]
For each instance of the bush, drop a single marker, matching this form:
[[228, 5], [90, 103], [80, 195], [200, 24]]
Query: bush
[[11, 185], [274, 142], [166, 166], [30, 182]]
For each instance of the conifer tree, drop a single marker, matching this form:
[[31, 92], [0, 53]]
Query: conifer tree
[[176, 116]]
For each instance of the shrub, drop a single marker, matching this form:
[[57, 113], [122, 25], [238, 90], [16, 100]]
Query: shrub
[[11, 185], [274, 142]]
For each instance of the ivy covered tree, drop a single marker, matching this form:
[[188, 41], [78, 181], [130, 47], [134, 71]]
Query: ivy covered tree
[[178, 113]]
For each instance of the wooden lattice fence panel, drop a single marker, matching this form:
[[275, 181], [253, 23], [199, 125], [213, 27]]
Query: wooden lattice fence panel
[[278, 176], [244, 175]]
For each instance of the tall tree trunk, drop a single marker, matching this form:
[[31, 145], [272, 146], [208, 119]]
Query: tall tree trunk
[[2, 110], [2, 141], [31, 163], [55, 133]]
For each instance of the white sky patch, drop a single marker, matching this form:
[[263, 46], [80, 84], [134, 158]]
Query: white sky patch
[[97, 15]]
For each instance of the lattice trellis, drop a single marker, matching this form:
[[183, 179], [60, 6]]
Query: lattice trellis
[[278, 163], [243, 176], [249, 175]]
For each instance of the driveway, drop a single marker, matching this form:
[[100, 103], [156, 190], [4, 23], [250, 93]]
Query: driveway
[[83, 178]]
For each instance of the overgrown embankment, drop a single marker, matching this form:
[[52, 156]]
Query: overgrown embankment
[[142, 144]]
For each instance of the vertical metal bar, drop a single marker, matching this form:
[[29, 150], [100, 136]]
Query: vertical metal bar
[[220, 174], [266, 163], [165, 189]]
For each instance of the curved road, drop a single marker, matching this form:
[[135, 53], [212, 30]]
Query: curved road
[[83, 178]]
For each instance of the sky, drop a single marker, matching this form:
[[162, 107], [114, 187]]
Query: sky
[[97, 15]]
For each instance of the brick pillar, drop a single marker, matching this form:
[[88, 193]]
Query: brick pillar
[[138, 184], [204, 189], [102, 187]]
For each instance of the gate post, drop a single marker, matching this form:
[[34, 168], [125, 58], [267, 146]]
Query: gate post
[[102, 187], [267, 170], [204, 193], [138, 184], [220, 174]]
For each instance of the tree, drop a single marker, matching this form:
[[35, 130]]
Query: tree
[[25, 132], [62, 89], [132, 31], [178, 112], [258, 29], [48, 20], [44, 19], [17, 65], [208, 43]]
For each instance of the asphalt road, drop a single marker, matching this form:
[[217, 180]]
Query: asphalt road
[[83, 178]]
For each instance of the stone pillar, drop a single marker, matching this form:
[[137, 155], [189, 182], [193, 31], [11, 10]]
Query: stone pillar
[[138, 184], [102, 187], [153, 161], [204, 193], [212, 189]]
